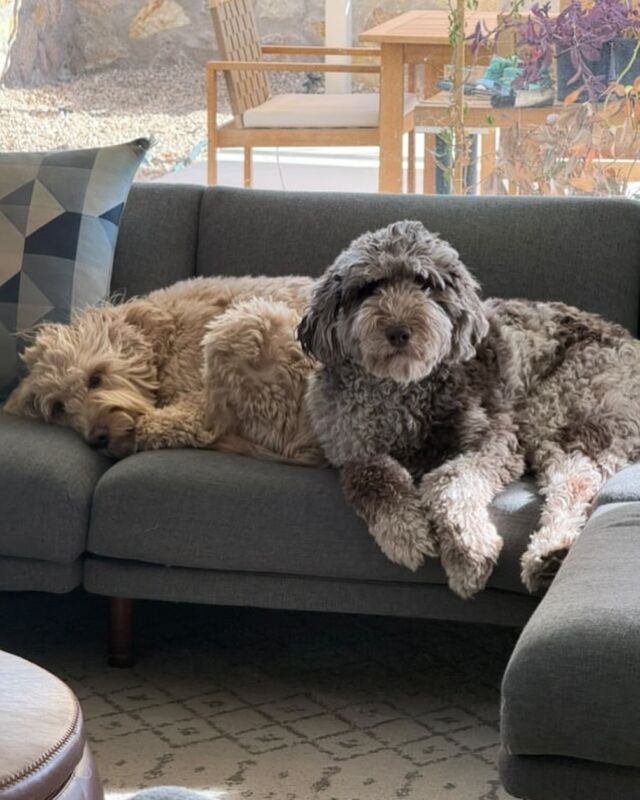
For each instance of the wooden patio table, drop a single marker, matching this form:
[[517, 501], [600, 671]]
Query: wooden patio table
[[415, 37]]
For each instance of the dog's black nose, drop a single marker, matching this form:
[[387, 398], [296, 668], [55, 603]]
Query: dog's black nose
[[99, 438], [398, 335]]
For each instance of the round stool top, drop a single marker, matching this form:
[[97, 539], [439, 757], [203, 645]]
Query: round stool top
[[41, 732]]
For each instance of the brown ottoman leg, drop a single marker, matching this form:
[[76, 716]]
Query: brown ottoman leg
[[120, 632]]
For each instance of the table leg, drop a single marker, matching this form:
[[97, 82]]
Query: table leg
[[432, 70], [487, 159], [212, 127], [429, 175], [391, 117], [411, 157]]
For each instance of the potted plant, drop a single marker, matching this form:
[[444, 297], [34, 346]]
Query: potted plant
[[580, 150], [582, 38]]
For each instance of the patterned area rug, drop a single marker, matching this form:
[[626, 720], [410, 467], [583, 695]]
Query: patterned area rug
[[245, 703]]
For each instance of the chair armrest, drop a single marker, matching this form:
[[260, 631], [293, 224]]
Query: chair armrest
[[303, 50], [571, 685], [286, 66]]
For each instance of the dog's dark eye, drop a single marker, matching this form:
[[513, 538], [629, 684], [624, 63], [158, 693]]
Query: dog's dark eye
[[422, 282], [363, 292], [94, 380], [57, 409]]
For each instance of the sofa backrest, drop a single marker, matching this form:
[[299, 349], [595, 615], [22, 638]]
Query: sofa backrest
[[582, 251]]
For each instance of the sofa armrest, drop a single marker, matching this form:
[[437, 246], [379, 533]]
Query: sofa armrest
[[624, 487], [571, 685], [47, 478]]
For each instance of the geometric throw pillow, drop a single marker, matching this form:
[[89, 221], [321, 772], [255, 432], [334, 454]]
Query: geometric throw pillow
[[59, 217]]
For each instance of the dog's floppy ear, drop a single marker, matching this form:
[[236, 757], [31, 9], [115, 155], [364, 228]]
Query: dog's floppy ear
[[38, 340], [147, 316], [21, 402], [460, 296], [470, 323], [155, 323], [317, 330]]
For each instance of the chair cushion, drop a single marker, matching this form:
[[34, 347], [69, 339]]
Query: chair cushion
[[47, 477], [319, 111], [215, 511]]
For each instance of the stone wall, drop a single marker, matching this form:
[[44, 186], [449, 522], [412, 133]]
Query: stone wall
[[51, 40]]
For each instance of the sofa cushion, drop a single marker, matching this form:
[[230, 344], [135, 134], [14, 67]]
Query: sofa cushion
[[59, 217], [47, 477], [571, 686], [210, 510], [554, 778], [158, 237], [34, 575], [540, 248]]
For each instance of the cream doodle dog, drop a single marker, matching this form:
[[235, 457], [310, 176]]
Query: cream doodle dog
[[207, 363]]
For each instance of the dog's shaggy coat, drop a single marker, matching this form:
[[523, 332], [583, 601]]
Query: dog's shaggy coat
[[431, 401], [208, 362]]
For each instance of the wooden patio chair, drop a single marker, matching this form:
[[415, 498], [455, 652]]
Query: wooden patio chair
[[261, 119]]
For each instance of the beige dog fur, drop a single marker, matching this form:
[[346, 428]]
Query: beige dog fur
[[207, 363]]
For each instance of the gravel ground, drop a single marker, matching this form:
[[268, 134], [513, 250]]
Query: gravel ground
[[166, 101]]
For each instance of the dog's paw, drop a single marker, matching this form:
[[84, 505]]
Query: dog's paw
[[405, 536], [468, 561], [539, 568], [123, 442], [146, 433]]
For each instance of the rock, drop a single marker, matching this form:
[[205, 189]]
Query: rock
[[44, 41], [53, 40], [156, 16]]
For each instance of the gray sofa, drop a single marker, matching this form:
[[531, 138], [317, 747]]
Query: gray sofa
[[205, 527]]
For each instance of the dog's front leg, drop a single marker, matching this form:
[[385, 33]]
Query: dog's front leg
[[457, 496], [181, 424], [383, 494], [569, 483]]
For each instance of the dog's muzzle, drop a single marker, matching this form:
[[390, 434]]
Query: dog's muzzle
[[99, 438]]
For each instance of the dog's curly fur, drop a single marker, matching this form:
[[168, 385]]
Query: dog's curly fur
[[207, 362], [431, 401]]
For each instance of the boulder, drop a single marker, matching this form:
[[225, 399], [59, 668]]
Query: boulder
[[44, 41]]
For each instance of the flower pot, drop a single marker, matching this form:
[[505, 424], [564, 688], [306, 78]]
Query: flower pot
[[624, 59], [565, 70]]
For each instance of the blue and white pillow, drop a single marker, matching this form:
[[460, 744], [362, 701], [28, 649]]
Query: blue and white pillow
[[59, 217]]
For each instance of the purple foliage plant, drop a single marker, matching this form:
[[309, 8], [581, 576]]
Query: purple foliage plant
[[581, 31]]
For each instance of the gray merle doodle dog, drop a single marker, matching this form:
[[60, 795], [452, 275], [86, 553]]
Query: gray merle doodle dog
[[431, 401]]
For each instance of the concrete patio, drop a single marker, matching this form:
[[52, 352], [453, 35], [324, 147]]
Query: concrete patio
[[340, 169]]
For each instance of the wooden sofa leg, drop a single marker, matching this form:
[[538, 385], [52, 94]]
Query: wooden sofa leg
[[121, 632]]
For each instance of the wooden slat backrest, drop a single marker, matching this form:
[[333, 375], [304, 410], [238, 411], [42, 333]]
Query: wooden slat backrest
[[237, 35]]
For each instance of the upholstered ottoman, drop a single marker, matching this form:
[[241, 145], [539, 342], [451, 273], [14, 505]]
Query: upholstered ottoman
[[43, 751]]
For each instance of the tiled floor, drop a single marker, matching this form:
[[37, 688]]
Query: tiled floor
[[245, 703]]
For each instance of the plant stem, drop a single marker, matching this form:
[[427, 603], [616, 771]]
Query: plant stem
[[457, 38]]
